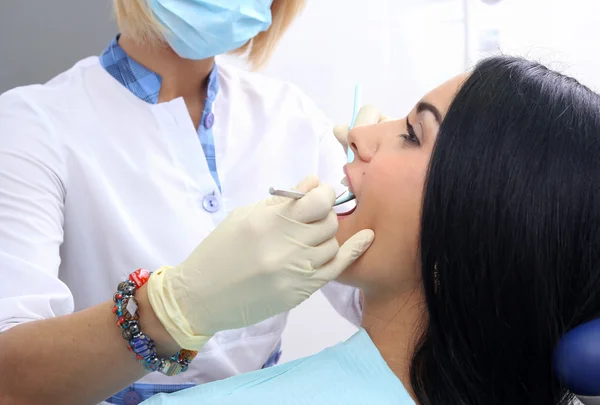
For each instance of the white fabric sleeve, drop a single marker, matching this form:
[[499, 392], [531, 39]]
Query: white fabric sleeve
[[32, 193]]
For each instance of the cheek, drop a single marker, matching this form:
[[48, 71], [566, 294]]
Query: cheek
[[390, 204], [392, 192]]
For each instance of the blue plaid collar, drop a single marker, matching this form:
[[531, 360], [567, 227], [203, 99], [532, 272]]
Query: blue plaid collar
[[141, 81]]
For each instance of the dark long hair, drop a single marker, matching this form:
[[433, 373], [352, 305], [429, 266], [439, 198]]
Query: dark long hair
[[510, 237]]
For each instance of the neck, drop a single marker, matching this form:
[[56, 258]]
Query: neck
[[180, 77], [393, 323]]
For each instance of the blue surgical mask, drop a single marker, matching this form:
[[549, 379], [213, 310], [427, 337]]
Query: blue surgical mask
[[199, 29]]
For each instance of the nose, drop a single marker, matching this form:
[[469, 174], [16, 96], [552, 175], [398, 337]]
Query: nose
[[364, 142]]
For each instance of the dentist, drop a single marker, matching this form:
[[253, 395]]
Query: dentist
[[129, 160]]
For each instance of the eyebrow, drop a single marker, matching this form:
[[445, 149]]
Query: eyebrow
[[424, 106]]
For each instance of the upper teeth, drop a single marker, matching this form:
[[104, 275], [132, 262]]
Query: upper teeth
[[345, 182]]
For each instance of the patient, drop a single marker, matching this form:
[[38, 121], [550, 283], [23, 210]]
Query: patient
[[485, 201]]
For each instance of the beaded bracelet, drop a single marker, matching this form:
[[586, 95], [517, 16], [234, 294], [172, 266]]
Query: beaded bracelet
[[127, 312]]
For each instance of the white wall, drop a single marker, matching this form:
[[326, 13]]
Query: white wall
[[40, 38], [396, 49], [560, 33]]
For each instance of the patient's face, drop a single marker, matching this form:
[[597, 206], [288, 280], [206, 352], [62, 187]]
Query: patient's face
[[388, 177]]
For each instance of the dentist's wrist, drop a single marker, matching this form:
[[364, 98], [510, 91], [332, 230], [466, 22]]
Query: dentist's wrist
[[165, 344]]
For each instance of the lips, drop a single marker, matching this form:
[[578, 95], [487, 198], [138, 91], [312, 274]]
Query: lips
[[348, 208], [347, 180]]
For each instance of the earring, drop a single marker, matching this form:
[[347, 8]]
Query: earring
[[436, 277]]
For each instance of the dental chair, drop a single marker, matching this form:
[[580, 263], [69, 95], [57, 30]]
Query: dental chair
[[577, 362]]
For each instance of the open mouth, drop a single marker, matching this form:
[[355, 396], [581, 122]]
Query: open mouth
[[346, 208], [342, 213], [349, 207]]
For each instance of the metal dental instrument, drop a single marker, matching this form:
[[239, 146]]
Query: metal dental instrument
[[296, 195], [285, 192], [346, 195]]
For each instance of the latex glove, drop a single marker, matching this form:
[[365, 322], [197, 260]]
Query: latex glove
[[367, 115], [262, 260]]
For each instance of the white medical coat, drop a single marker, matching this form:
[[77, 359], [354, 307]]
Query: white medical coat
[[95, 183]]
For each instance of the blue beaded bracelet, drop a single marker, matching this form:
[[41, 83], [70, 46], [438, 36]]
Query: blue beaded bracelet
[[126, 310]]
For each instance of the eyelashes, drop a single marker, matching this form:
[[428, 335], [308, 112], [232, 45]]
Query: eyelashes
[[410, 136]]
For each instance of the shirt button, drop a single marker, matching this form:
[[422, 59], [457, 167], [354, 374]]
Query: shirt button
[[132, 398], [209, 120], [210, 203]]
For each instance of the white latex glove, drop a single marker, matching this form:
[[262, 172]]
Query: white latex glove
[[262, 260], [367, 115]]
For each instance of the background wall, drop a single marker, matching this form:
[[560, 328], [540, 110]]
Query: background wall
[[40, 38], [560, 33], [397, 50]]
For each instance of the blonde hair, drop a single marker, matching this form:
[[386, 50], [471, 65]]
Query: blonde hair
[[136, 20]]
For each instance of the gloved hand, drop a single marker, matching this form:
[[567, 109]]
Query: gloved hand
[[367, 115], [262, 260]]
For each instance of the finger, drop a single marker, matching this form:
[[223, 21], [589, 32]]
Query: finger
[[309, 182], [314, 206], [341, 134], [367, 115], [348, 253], [320, 231], [324, 253]]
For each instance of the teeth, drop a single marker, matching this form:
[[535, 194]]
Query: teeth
[[345, 182]]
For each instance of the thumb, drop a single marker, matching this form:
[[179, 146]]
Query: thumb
[[348, 253], [368, 115], [341, 134], [385, 118]]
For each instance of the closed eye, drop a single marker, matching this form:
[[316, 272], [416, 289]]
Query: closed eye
[[410, 136]]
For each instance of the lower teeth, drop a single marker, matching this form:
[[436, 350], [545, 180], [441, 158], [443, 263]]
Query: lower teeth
[[346, 208]]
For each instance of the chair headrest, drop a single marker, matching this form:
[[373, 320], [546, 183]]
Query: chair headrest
[[577, 361]]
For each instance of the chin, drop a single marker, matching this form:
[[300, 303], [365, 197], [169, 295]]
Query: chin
[[345, 278], [353, 274], [347, 225]]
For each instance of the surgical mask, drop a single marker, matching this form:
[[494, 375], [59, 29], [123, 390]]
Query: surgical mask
[[199, 29]]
